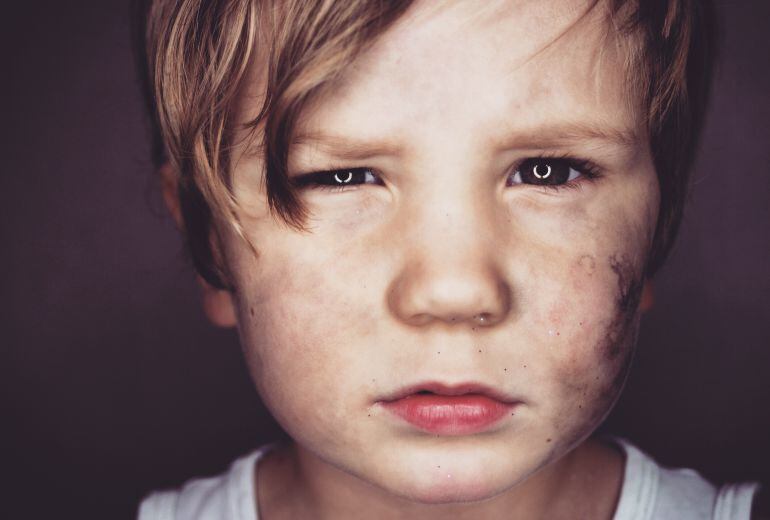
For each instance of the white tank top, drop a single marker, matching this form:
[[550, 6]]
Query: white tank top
[[649, 492]]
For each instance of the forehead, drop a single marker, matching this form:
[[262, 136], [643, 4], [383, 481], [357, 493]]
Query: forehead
[[508, 65]]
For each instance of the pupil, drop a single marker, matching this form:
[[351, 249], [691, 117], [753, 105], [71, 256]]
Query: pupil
[[539, 171], [343, 178], [542, 174]]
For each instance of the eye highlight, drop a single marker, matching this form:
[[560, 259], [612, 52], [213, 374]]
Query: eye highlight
[[552, 172]]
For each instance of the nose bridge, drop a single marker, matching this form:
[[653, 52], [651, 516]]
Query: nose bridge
[[449, 268]]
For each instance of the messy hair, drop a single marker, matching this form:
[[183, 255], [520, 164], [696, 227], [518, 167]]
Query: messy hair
[[196, 53]]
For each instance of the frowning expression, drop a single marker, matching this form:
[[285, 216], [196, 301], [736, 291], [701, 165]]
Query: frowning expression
[[482, 201]]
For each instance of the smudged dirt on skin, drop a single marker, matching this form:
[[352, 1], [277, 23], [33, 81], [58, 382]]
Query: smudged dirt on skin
[[630, 284], [595, 393], [619, 342]]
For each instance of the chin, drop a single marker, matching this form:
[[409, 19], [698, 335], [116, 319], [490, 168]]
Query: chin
[[455, 490], [450, 484]]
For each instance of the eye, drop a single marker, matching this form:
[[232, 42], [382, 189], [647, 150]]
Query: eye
[[336, 180], [551, 172]]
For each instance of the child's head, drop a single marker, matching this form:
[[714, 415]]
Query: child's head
[[387, 194]]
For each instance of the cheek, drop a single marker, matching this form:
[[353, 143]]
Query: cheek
[[304, 323], [589, 370]]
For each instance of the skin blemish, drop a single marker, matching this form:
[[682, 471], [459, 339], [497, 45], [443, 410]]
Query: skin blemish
[[588, 264]]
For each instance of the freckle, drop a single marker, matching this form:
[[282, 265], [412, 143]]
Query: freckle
[[548, 440], [525, 366], [505, 369], [439, 352], [558, 333], [251, 310], [368, 415], [479, 350], [581, 323]]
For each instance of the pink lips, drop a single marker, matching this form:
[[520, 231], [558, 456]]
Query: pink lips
[[450, 410]]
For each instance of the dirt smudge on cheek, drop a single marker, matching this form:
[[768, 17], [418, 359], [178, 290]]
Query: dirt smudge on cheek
[[589, 392], [630, 283]]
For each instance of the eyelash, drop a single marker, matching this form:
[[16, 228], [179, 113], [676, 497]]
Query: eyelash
[[587, 169]]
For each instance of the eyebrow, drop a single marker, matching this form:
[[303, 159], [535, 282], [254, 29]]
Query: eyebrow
[[559, 134], [542, 136]]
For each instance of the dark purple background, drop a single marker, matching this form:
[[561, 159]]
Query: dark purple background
[[114, 384]]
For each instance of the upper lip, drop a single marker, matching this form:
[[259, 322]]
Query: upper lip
[[450, 389]]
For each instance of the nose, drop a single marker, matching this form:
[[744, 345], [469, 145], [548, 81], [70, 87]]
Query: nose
[[450, 275]]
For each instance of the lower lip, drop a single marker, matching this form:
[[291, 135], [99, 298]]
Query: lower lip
[[450, 415]]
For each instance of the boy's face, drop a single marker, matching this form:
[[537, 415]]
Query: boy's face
[[385, 289]]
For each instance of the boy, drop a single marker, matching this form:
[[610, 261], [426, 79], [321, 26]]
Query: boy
[[432, 224]]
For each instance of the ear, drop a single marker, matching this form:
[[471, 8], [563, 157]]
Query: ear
[[648, 297], [169, 184], [217, 303]]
